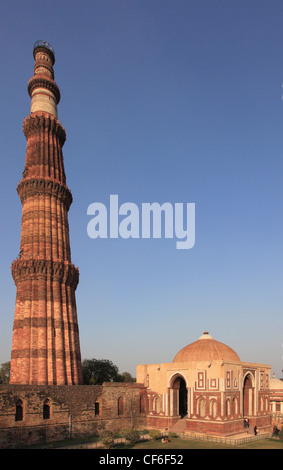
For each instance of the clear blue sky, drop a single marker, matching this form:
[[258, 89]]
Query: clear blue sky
[[162, 101]]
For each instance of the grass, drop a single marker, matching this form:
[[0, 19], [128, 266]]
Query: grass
[[174, 443], [198, 444]]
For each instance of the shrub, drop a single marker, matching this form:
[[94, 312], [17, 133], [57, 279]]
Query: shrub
[[172, 435], [155, 434], [124, 432], [108, 442], [132, 436], [106, 433], [106, 437], [143, 431]]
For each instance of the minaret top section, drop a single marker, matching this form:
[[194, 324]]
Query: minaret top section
[[45, 45], [44, 92]]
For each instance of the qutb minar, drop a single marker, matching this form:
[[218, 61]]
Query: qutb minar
[[45, 347]]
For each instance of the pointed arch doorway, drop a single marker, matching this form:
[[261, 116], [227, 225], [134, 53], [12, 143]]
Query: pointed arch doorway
[[248, 396], [180, 396]]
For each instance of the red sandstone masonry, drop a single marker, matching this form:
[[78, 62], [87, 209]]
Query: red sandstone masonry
[[72, 411], [46, 347]]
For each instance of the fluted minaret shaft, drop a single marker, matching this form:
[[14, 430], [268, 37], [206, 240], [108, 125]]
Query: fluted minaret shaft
[[46, 348]]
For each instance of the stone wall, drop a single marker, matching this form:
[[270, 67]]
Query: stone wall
[[35, 414]]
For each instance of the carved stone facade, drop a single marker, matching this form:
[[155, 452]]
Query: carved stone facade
[[45, 348], [207, 389], [276, 401]]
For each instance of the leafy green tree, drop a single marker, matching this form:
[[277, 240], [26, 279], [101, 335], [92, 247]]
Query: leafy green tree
[[97, 371], [5, 372], [125, 377]]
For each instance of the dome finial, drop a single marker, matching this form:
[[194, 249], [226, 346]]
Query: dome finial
[[205, 335]]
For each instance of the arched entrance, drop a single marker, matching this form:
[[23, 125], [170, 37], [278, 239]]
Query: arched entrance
[[180, 394], [248, 396]]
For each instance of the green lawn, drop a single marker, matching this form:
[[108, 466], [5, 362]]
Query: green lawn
[[198, 444], [175, 443]]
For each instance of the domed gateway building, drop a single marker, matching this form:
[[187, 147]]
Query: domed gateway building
[[207, 389]]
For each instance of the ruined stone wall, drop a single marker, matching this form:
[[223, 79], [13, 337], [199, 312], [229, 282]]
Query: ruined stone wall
[[35, 414]]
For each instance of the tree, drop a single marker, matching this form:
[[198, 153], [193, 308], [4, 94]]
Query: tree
[[97, 371], [5, 372], [125, 377]]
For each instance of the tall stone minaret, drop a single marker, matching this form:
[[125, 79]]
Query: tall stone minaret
[[46, 347]]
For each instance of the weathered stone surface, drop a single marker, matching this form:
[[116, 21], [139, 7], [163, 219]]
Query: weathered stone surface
[[46, 347], [76, 411]]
